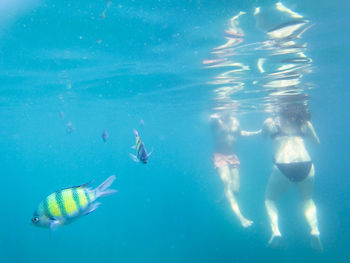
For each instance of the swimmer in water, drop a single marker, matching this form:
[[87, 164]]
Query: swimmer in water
[[226, 130], [292, 165]]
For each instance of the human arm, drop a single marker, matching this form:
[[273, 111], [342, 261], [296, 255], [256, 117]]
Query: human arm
[[269, 127], [215, 122], [312, 132], [250, 133]]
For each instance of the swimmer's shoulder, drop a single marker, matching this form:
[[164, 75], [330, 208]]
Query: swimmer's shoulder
[[270, 127]]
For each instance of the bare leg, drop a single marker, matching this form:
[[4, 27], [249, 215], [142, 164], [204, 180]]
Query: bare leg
[[227, 178], [235, 179], [277, 185], [305, 189]]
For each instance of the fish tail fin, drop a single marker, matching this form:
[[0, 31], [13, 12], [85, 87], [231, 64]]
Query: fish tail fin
[[103, 189], [135, 132]]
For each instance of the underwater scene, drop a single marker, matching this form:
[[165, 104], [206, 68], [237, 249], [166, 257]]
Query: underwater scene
[[174, 131]]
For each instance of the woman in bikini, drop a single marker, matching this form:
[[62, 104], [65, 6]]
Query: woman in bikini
[[226, 130], [292, 165]]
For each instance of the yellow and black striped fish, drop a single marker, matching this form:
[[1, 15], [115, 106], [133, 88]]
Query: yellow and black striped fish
[[141, 152], [66, 205]]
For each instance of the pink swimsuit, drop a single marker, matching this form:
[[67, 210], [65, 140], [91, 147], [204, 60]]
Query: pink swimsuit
[[221, 160]]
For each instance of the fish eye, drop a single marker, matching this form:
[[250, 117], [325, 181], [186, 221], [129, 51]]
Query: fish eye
[[35, 219]]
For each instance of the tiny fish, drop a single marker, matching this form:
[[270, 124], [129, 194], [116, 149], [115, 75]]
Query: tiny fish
[[104, 135], [103, 14], [70, 128], [66, 205], [140, 150]]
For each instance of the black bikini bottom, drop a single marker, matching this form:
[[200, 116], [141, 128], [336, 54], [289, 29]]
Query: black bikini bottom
[[296, 172]]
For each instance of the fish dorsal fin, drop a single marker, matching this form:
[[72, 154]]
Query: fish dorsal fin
[[77, 186]]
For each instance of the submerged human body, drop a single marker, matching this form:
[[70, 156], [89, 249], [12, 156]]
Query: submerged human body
[[292, 165], [226, 130]]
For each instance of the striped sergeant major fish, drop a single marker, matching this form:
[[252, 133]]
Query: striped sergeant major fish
[[141, 153], [64, 206]]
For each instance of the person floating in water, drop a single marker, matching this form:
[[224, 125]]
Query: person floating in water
[[226, 130], [292, 165]]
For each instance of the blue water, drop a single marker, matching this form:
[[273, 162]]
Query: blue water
[[102, 65]]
